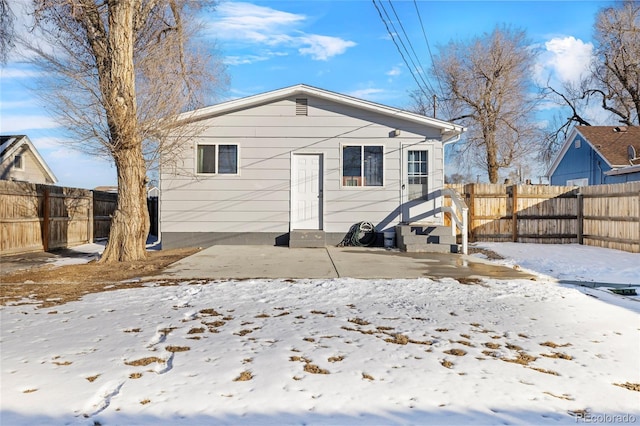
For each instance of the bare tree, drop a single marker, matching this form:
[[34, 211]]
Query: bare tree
[[616, 69], [423, 104], [487, 89], [6, 30], [118, 73], [613, 80]]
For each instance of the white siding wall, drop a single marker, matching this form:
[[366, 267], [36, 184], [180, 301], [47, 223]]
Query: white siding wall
[[31, 169], [257, 200]]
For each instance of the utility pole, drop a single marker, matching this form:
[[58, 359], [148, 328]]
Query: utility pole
[[435, 100]]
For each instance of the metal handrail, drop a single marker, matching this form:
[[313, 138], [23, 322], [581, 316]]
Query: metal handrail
[[459, 216]]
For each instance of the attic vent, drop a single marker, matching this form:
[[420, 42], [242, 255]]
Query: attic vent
[[620, 129], [301, 106]]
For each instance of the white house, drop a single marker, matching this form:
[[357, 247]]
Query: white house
[[301, 159], [21, 161]]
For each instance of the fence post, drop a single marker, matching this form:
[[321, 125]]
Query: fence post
[[90, 219], [46, 214], [514, 208], [580, 218], [471, 204]]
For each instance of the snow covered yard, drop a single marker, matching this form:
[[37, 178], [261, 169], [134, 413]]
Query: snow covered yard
[[338, 351]]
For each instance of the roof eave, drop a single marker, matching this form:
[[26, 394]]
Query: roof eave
[[24, 140], [565, 147], [563, 150], [225, 107], [623, 170]]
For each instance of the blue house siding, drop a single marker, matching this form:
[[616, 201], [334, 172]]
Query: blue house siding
[[579, 163], [582, 161]]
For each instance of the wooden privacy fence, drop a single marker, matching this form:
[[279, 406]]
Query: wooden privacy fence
[[611, 216], [104, 204], [603, 215], [41, 217]]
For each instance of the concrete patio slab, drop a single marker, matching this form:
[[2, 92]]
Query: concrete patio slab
[[360, 262], [251, 262], [240, 262]]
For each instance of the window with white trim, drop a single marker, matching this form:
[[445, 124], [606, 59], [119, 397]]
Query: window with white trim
[[417, 173], [218, 159], [578, 182], [362, 165]]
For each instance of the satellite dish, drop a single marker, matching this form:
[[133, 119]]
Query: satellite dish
[[631, 153]]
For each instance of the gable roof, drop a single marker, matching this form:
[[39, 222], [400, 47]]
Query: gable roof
[[610, 142], [448, 130], [12, 144]]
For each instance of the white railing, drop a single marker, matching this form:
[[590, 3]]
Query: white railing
[[459, 213]]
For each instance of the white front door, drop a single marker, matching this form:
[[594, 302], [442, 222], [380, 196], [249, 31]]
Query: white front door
[[306, 191], [415, 183]]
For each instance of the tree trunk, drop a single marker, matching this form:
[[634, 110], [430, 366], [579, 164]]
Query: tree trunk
[[130, 221], [492, 152], [492, 168]]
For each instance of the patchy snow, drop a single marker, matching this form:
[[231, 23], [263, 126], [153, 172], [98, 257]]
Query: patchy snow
[[77, 255], [335, 351], [571, 262], [85, 253]]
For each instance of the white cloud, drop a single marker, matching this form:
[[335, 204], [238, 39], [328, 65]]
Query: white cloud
[[565, 59], [395, 71], [12, 72], [369, 93], [321, 47], [250, 59], [253, 22], [13, 104], [48, 142], [20, 124], [263, 26], [243, 60]]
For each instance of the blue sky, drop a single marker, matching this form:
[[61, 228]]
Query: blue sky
[[342, 46]]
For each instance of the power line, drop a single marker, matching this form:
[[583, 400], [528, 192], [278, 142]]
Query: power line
[[397, 46], [435, 70], [420, 69], [413, 65]]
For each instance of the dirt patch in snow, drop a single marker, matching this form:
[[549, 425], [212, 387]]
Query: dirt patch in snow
[[630, 386], [490, 254], [48, 285]]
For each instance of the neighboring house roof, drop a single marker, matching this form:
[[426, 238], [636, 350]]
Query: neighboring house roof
[[448, 130], [610, 142], [11, 145], [623, 170], [107, 188]]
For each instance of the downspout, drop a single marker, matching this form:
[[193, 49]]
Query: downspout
[[465, 231], [159, 236], [446, 142]]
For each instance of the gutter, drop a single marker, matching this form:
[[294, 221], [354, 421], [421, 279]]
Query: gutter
[[623, 170]]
